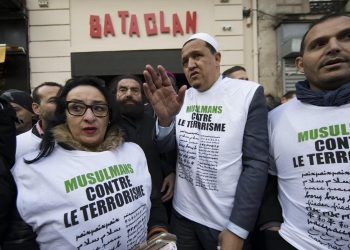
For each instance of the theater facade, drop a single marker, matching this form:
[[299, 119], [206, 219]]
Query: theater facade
[[107, 38], [53, 40]]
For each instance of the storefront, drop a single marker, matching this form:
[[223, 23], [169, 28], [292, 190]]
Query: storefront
[[108, 38], [66, 38]]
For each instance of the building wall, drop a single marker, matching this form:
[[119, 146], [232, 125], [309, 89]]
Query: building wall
[[269, 16], [49, 41], [63, 27], [267, 45]]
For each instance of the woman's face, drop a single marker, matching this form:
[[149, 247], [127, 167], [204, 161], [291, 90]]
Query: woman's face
[[88, 129]]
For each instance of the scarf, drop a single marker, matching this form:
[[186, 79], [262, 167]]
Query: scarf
[[62, 135], [337, 97]]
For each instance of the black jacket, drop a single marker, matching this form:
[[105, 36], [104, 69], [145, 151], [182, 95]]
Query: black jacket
[[7, 159], [14, 232], [140, 131]]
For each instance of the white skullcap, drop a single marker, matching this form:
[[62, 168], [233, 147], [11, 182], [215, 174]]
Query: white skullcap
[[207, 38]]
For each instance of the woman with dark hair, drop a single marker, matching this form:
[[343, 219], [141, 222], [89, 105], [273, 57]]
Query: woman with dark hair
[[86, 188]]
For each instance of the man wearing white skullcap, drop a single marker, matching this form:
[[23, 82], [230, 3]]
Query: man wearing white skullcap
[[220, 129], [205, 37]]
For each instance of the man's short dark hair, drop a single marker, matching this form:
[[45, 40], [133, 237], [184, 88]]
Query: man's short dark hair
[[271, 102], [210, 47], [35, 95], [321, 20], [113, 86], [233, 69]]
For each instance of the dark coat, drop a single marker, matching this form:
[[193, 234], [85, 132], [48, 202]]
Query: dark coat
[[7, 159], [14, 232], [140, 131]]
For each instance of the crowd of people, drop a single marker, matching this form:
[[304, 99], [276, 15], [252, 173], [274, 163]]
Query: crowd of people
[[90, 165]]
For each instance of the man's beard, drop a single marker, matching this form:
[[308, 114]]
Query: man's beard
[[134, 110], [48, 116]]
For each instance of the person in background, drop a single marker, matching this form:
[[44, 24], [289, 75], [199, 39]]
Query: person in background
[[86, 187], [236, 72], [219, 184], [44, 105], [271, 102], [288, 96], [7, 159], [139, 125], [309, 144], [22, 104], [20, 235]]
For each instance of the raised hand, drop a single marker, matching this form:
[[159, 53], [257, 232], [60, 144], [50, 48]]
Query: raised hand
[[161, 94]]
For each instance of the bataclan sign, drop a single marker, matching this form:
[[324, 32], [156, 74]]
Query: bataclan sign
[[129, 24]]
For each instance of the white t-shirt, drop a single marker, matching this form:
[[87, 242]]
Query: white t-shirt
[[310, 146], [86, 200], [209, 134], [26, 143]]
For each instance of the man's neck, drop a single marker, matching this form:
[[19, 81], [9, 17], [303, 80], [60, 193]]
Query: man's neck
[[329, 86]]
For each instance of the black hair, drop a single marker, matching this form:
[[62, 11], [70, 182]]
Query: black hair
[[48, 142], [271, 102], [321, 20], [113, 85], [35, 95], [210, 47], [233, 69]]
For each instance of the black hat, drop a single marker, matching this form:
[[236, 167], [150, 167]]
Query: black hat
[[19, 97]]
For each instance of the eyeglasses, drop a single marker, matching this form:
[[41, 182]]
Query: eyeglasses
[[79, 109]]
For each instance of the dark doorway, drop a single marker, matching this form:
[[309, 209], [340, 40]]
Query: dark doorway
[[14, 72], [109, 64]]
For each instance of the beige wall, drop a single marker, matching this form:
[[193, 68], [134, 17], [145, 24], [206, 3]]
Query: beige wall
[[49, 42], [267, 46], [270, 15], [63, 27], [82, 9]]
